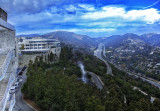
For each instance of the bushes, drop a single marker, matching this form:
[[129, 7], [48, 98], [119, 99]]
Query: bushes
[[54, 86]]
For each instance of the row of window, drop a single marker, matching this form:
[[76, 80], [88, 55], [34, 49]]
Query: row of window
[[39, 41], [38, 44], [36, 48]]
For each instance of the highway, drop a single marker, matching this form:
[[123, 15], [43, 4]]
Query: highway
[[101, 50], [147, 79], [20, 105], [98, 82], [98, 53]]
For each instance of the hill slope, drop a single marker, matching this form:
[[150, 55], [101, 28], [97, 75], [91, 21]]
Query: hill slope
[[71, 38]]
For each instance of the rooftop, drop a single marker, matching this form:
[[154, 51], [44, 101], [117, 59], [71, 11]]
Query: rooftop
[[3, 21]]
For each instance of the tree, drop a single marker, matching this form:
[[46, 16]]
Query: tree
[[22, 47], [93, 104], [156, 105], [143, 105], [113, 105]]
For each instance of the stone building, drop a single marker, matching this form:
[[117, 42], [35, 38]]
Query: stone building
[[8, 62], [30, 48]]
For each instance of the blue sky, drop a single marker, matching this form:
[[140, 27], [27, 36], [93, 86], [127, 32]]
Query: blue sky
[[96, 18]]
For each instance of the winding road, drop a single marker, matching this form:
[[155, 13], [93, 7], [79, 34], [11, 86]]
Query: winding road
[[98, 82], [101, 50], [20, 105], [98, 53]]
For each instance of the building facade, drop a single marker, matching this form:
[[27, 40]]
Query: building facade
[[3, 14], [30, 48], [8, 62], [38, 45]]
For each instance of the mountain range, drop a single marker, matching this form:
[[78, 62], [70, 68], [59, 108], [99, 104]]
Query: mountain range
[[85, 41]]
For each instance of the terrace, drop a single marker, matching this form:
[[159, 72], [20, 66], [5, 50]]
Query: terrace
[[7, 58]]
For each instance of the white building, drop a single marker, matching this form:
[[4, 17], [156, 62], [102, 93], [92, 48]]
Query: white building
[[8, 62], [38, 45], [30, 48]]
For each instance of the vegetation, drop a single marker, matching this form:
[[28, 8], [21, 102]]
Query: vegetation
[[22, 47], [91, 63], [54, 86]]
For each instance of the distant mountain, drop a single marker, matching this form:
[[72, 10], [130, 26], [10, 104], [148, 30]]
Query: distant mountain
[[29, 35], [84, 41], [118, 40], [71, 38], [152, 39]]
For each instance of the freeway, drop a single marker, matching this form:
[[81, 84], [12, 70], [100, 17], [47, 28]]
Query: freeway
[[98, 53], [98, 82], [20, 105], [147, 79], [101, 50]]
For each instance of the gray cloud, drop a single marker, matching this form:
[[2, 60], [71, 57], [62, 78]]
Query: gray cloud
[[31, 6]]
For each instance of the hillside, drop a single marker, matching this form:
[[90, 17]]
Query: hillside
[[118, 40], [152, 39], [29, 35], [71, 38], [84, 41]]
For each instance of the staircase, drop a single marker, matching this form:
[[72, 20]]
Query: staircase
[[7, 77]]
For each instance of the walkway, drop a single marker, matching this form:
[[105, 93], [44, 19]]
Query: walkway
[[20, 104]]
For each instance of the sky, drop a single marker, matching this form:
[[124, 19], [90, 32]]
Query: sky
[[95, 18]]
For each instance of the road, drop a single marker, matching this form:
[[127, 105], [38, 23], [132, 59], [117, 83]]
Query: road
[[98, 53], [98, 82], [101, 50], [147, 79], [20, 105], [154, 82]]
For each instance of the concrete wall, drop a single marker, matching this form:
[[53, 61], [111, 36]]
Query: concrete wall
[[7, 39], [56, 51], [25, 58], [3, 15]]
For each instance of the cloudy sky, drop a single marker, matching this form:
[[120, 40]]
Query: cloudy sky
[[96, 18]]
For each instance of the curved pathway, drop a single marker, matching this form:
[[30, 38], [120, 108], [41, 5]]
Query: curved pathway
[[20, 105], [98, 82]]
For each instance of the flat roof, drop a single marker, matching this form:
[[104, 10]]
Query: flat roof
[[5, 25], [35, 50]]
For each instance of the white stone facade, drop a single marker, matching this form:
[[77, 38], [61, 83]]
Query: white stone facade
[[8, 64], [39, 45]]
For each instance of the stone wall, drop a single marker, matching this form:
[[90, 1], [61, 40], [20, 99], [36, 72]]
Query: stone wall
[[25, 58], [3, 15], [7, 39], [56, 51]]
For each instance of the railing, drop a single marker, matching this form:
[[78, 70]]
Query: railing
[[4, 67], [6, 94], [13, 101], [6, 25]]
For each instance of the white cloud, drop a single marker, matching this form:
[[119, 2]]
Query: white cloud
[[104, 13], [43, 31], [30, 6], [87, 7], [106, 23], [147, 15]]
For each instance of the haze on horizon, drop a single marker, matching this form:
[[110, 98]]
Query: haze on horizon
[[96, 18]]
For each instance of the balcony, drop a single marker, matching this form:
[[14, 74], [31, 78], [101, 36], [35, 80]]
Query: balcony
[[6, 25], [8, 70], [10, 103], [5, 86], [5, 59]]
